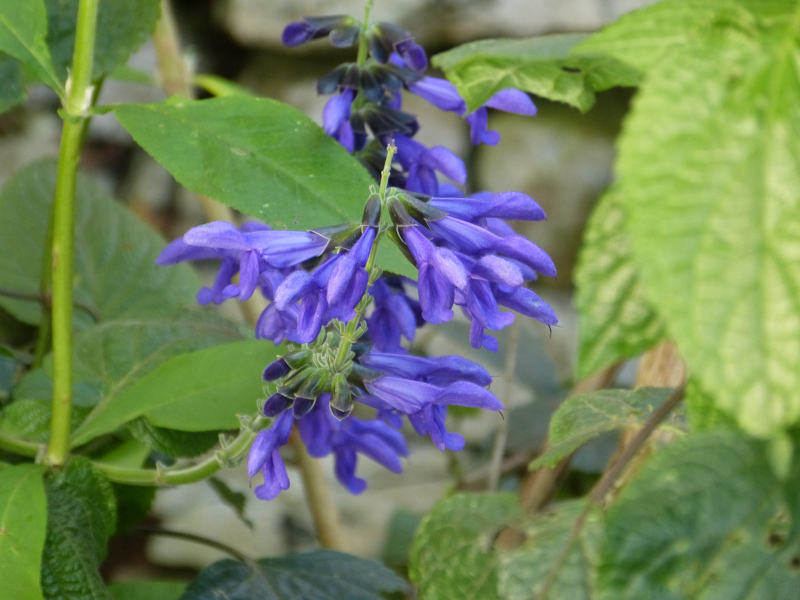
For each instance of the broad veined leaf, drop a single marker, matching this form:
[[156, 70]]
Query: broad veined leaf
[[645, 37], [617, 321], [705, 518], [23, 519], [81, 514], [115, 252], [23, 27], [584, 417], [452, 554], [319, 575], [171, 442], [115, 355], [122, 26], [540, 562], [545, 66], [12, 92], [198, 391], [709, 170]]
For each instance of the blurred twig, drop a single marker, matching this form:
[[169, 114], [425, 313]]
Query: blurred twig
[[501, 435]]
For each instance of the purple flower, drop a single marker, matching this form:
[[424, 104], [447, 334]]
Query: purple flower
[[439, 92], [422, 163], [505, 205], [265, 456], [440, 371], [394, 315], [440, 272], [508, 100], [343, 30], [323, 434], [430, 421], [409, 396], [386, 38], [336, 119]]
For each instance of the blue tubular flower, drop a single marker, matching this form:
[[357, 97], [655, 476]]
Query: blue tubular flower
[[336, 119], [349, 278], [430, 421], [409, 396], [505, 205], [395, 315], [343, 31], [439, 92], [508, 100], [422, 163], [386, 38], [265, 457], [439, 371], [440, 272]]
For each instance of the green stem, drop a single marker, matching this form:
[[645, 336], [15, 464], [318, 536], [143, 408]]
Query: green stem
[[21, 447], [78, 102], [177, 476], [362, 42]]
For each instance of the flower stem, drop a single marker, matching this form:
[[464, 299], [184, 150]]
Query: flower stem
[[228, 455], [319, 497], [362, 42], [391, 150], [78, 102]]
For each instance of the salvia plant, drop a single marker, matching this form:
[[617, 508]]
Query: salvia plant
[[353, 238]]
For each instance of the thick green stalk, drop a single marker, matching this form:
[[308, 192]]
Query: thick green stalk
[[362, 43], [76, 119]]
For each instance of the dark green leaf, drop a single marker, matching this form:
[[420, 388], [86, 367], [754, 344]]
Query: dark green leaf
[[236, 500], [81, 517], [705, 518], [172, 443], [29, 418], [320, 575], [23, 27], [525, 571], [147, 590], [715, 137], [452, 554], [390, 258], [115, 271], [12, 92], [545, 66], [23, 519], [198, 391], [586, 416], [122, 26], [616, 319]]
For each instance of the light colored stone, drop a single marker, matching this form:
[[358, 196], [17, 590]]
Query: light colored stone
[[259, 23]]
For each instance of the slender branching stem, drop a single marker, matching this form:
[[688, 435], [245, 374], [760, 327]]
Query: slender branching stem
[[76, 119], [501, 433], [362, 43]]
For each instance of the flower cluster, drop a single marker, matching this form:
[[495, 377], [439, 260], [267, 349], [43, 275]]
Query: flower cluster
[[344, 319]]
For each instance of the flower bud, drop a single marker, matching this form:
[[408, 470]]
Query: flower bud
[[420, 209], [275, 405], [372, 211], [295, 380], [341, 399], [276, 369], [298, 359]]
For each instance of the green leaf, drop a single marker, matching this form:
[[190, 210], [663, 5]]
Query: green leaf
[[198, 391], [12, 92], [616, 319], [29, 418], [133, 505], [715, 137], [147, 590], [122, 26], [645, 37], [452, 555], [319, 575], [586, 416], [23, 517], [705, 518], [390, 258], [170, 442], [545, 66], [259, 156], [115, 271], [525, 571], [81, 517], [23, 27]]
